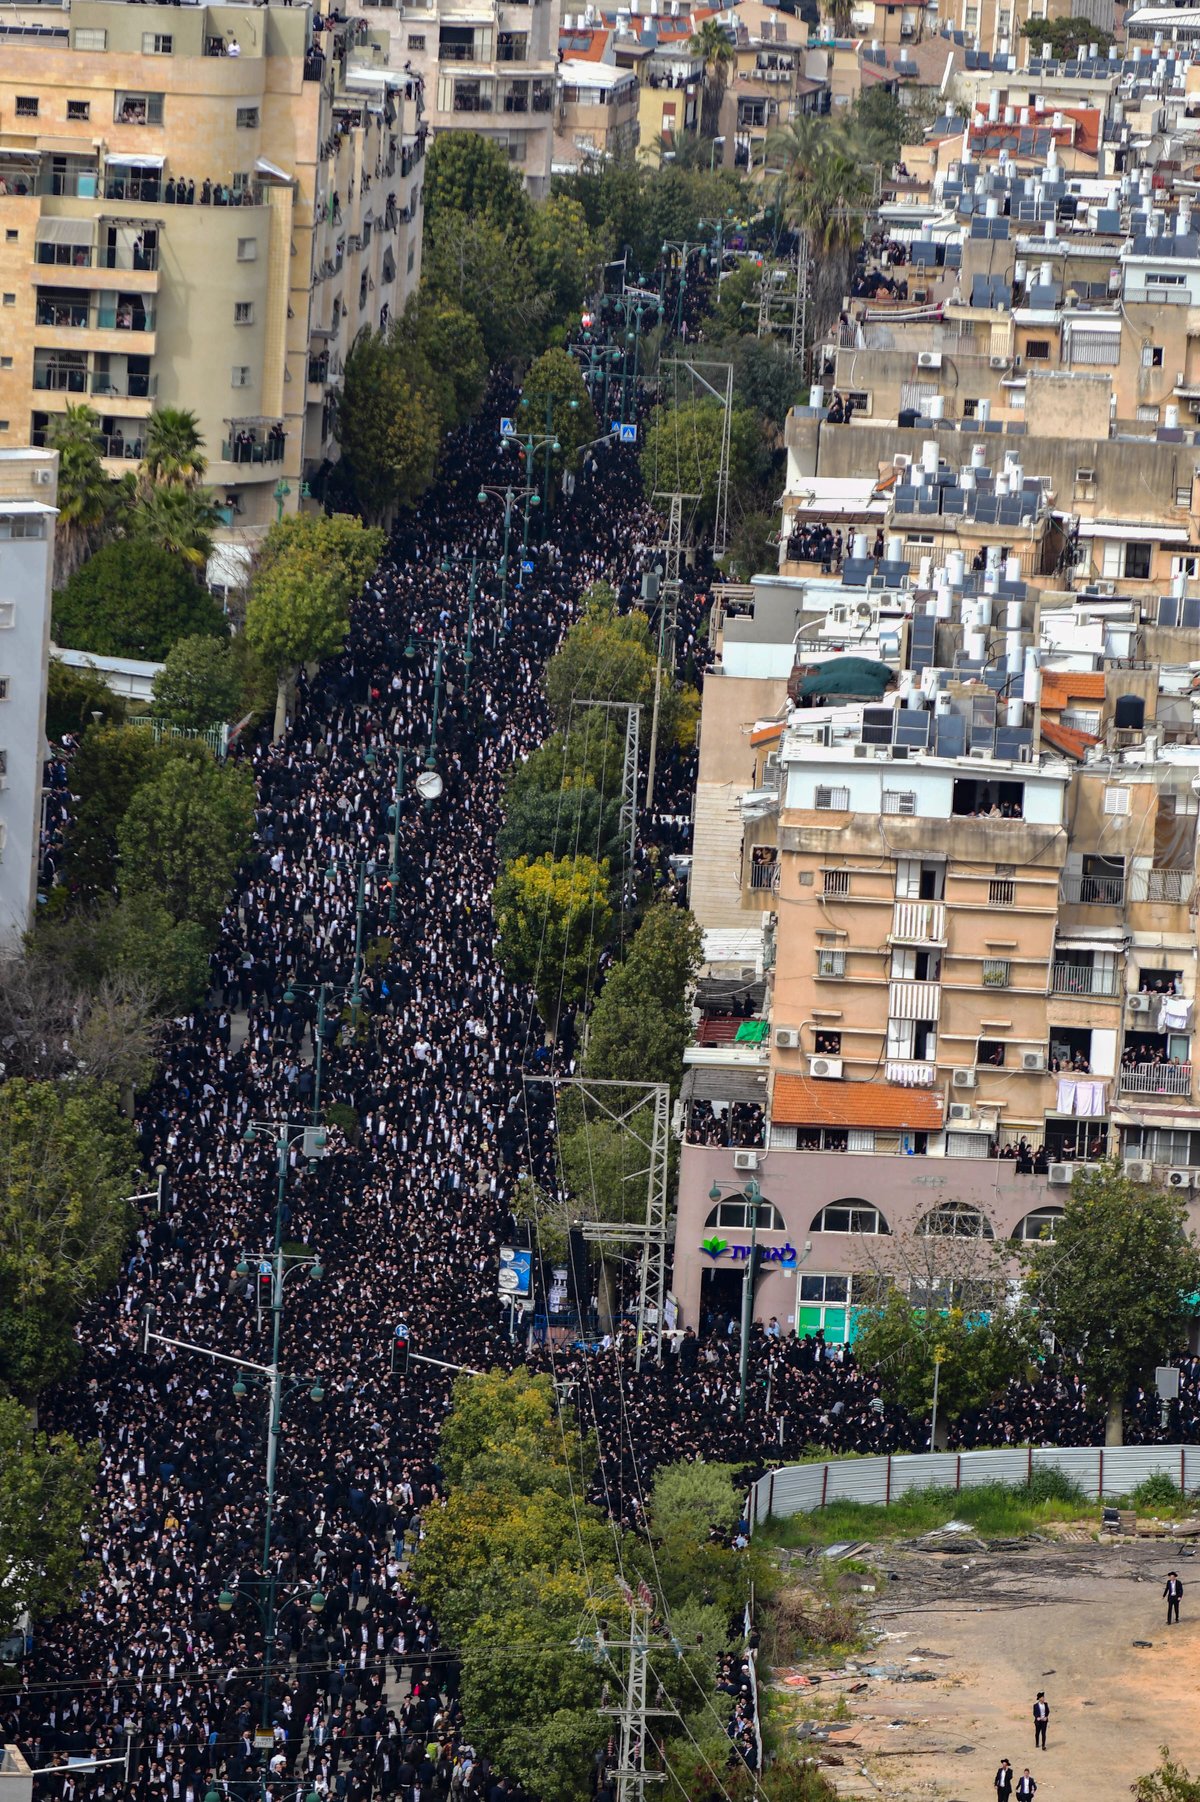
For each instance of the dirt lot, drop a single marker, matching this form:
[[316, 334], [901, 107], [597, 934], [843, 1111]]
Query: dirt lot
[[994, 1625]]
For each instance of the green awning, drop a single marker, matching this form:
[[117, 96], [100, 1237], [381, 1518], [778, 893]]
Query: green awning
[[752, 1032]]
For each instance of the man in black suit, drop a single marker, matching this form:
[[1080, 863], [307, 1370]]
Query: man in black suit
[[1041, 1718], [1026, 1787], [1173, 1592], [1004, 1781]]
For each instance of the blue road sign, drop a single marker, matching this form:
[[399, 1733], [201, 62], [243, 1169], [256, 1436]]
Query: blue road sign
[[628, 434], [526, 569], [614, 426], [507, 428]]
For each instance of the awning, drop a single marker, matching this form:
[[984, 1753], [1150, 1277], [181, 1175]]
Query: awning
[[263, 167], [113, 160], [725, 1085], [1067, 942], [1128, 531], [805, 1101], [64, 231], [25, 509]]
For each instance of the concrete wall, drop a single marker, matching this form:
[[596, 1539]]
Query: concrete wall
[[26, 569], [731, 707]]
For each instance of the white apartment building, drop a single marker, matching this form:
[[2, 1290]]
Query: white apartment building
[[28, 495]]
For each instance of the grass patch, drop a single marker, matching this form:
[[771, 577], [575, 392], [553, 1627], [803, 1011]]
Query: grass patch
[[993, 1510]]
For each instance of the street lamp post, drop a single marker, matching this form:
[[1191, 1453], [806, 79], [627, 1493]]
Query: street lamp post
[[685, 249], [508, 496], [752, 1195]]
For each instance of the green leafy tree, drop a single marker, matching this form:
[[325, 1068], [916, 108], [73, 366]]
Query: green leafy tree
[[700, 1496], [564, 253], [1171, 1781], [74, 695], [452, 342], [504, 1432], [482, 268], [388, 427], [467, 172], [977, 1354], [552, 920], [174, 447], [1113, 1286], [164, 959], [346, 548], [111, 764], [67, 1158], [178, 521], [681, 450], [198, 685], [558, 823], [712, 42], [642, 1021], [87, 497], [588, 755], [184, 834], [46, 1501], [1064, 38], [554, 398], [133, 599], [735, 309], [605, 656]]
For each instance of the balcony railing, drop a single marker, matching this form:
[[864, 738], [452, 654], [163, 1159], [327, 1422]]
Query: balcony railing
[[764, 875], [60, 381], [911, 1075], [1094, 891], [1168, 887], [116, 257], [1156, 1079], [1079, 979], [265, 450], [921, 922], [125, 387], [62, 314]]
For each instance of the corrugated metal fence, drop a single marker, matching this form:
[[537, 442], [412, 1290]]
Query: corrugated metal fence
[[1098, 1469]]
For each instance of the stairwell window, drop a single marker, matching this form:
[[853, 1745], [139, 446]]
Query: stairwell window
[[240, 375], [1002, 892], [247, 250], [247, 118], [837, 882], [831, 963]]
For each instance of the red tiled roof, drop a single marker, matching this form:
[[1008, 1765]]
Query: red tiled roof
[[801, 1101], [1062, 686], [1066, 739]]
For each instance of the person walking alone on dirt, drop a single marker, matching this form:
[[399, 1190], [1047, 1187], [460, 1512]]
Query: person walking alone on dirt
[[1026, 1787], [1173, 1593], [1041, 1720], [1003, 1781]]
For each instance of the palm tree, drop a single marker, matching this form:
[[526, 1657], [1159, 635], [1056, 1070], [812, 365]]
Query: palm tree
[[177, 519], [712, 42], [826, 173], [174, 447], [86, 495]]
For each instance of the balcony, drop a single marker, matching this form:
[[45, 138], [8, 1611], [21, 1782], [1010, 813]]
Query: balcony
[[919, 922], [113, 256], [1093, 891], [65, 315], [765, 875], [1171, 888], [253, 450], [914, 1000], [1081, 979], [911, 1075], [1156, 1079], [125, 387]]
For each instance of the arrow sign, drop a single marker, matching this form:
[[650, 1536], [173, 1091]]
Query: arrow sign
[[628, 434], [507, 428], [527, 569]]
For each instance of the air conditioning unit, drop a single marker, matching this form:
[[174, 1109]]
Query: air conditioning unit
[[981, 756], [963, 1079], [745, 1160], [998, 362], [1033, 1060], [42, 478], [1061, 1175], [961, 1110], [929, 359], [787, 1038], [862, 750], [1139, 1004], [1179, 1179], [901, 461], [824, 1066], [1139, 1170]]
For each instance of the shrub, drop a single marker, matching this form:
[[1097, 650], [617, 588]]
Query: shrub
[[1047, 1484], [133, 600], [1157, 1491]]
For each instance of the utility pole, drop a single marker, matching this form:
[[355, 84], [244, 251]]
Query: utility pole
[[668, 618], [783, 305], [629, 774], [632, 1775]]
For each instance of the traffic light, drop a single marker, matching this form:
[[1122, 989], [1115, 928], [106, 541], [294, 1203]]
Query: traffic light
[[400, 1346]]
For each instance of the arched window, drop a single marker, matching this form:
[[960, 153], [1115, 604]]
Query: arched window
[[737, 1213], [956, 1220], [1041, 1225], [849, 1216]]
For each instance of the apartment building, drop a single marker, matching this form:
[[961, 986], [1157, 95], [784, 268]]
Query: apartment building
[[28, 509], [480, 65], [201, 207], [595, 115]]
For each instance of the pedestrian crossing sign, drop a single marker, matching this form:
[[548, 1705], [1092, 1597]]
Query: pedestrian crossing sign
[[628, 434], [526, 569], [507, 428]]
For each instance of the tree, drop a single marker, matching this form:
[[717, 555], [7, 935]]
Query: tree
[[541, 822], [552, 920], [1112, 1287], [564, 254], [712, 42], [109, 767], [976, 1354], [174, 447], [388, 427], [504, 1431], [74, 695], [198, 684], [1065, 38], [1172, 1781], [452, 342], [67, 1159], [468, 173], [86, 495], [184, 834], [133, 599], [586, 755], [642, 1021], [700, 1496], [165, 959], [681, 450], [346, 549], [67, 1009], [46, 1501], [299, 609], [555, 399], [177, 520], [605, 656], [483, 270]]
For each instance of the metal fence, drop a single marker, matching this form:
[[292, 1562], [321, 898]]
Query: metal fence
[[1098, 1470]]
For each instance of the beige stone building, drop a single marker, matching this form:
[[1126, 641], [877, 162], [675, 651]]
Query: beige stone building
[[200, 208], [28, 510], [595, 114]]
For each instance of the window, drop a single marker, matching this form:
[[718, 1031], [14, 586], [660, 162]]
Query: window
[[1162, 1145], [832, 800], [1002, 892], [247, 117], [849, 1217], [737, 1214], [899, 800], [997, 972], [1081, 719], [990, 1052], [79, 109], [137, 109], [970, 409], [416, 40], [956, 1220], [23, 527], [825, 1288], [1183, 498], [1040, 1224], [837, 882], [1116, 800], [1085, 477], [3, 688], [1161, 278], [1155, 358], [157, 43], [10, 300], [241, 375], [90, 39], [6, 362], [1037, 350], [247, 250], [27, 106], [11, 237], [243, 312], [1137, 562], [1148, 415], [831, 963]]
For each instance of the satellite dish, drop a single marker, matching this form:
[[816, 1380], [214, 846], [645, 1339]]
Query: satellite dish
[[429, 785]]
